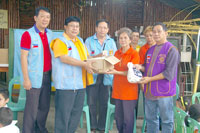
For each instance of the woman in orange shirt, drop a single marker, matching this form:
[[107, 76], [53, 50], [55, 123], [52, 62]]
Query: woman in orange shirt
[[124, 93], [149, 42]]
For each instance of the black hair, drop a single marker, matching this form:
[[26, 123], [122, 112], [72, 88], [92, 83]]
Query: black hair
[[72, 19], [6, 116], [136, 30], [194, 113], [102, 20], [161, 24], [4, 93], [37, 10]]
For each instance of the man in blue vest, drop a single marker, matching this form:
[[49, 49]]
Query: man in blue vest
[[36, 69], [70, 76], [99, 91]]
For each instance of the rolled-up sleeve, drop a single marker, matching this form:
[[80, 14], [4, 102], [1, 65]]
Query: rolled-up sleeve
[[172, 61]]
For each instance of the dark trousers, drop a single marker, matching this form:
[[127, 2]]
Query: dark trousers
[[98, 95], [37, 107], [124, 115], [68, 109]]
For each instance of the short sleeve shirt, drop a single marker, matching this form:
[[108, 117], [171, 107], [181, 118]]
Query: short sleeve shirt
[[122, 89], [26, 45], [142, 53], [94, 47]]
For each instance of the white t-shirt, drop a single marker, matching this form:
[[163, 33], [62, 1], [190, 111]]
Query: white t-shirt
[[12, 128]]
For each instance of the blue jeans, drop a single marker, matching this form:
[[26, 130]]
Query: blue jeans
[[162, 107]]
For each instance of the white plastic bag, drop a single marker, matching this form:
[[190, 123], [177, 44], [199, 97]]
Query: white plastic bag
[[133, 75]]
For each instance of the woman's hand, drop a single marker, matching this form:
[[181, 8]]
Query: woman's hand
[[111, 71], [114, 71]]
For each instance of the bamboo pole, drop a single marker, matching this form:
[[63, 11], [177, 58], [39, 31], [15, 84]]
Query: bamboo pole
[[196, 77]]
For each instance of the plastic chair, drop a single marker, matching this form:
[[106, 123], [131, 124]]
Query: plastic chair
[[196, 96], [87, 114], [19, 106], [179, 116], [193, 124], [144, 121], [110, 117], [177, 91]]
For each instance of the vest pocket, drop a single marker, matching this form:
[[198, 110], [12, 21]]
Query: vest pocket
[[163, 86]]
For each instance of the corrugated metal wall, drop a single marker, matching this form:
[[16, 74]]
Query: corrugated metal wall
[[119, 13]]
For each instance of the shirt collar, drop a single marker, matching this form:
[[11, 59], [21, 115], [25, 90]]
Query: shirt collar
[[147, 46], [161, 44], [37, 30], [127, 52], [68, 38], [107, 36]]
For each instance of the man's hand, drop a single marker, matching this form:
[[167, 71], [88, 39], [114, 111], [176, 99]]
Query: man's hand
[[27, 84], [98, 55], [145, 80], [88, 67], [24, 63]]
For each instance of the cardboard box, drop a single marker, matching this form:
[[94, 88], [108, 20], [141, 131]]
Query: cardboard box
[[103, 64], [4, 56]]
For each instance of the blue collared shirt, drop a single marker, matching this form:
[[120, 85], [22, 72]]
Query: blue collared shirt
[[94, 48]]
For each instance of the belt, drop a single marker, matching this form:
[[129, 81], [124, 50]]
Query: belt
[[47, 72], [75, 90]]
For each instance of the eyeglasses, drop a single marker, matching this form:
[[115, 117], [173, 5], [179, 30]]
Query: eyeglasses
[[74, 26], [102, 28]]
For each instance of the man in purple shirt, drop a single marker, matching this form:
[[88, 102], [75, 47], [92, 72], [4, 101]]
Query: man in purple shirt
[[160, 75]]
